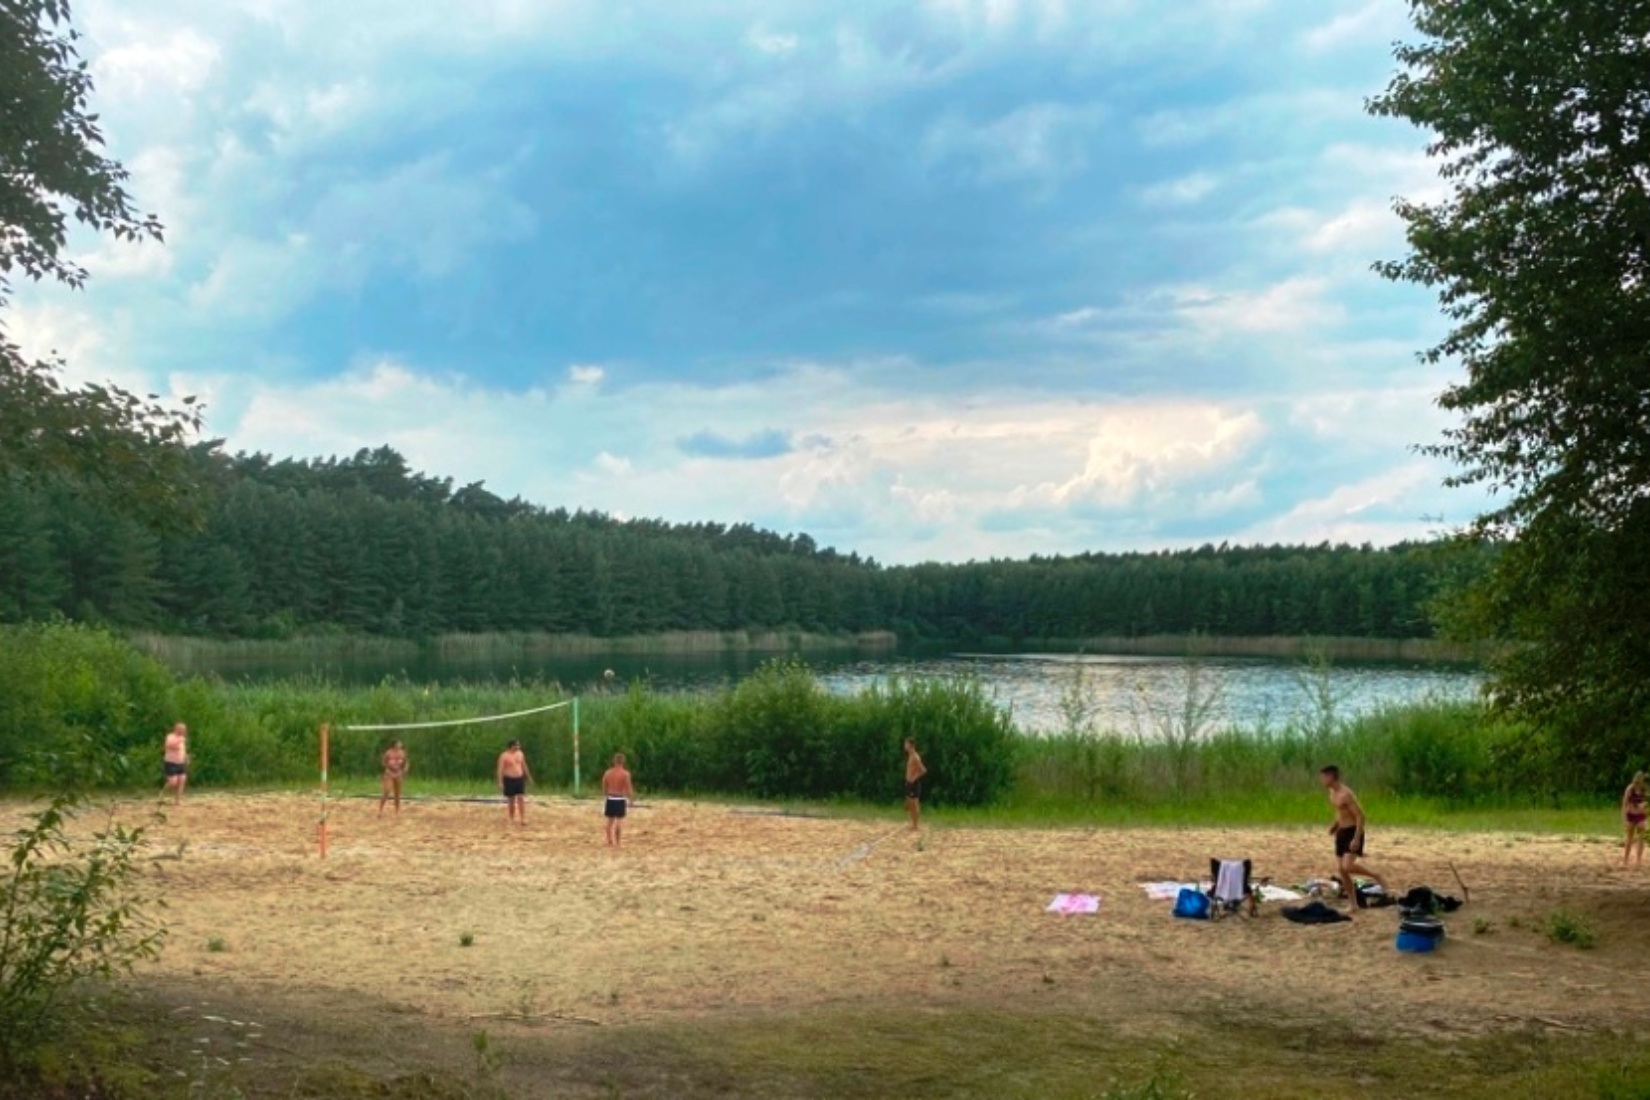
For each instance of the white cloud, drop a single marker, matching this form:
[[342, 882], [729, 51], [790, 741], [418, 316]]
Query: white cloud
[[90, 351], [773, 43], [162, 63], [1404, 413], [1148, 449], [139, 259], [1040, 143], [586, 374], [1386, 507], [1041, 17], [1274, 112], [1078, 318], [1292, 305], [1368, 27], [612, 465], [738, 110], [1183, 191], [258, 280]]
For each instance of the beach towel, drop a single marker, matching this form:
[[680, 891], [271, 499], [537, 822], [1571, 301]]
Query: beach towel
[[1166, 891], [1278, 893], [1074, 903], [1229, 882]]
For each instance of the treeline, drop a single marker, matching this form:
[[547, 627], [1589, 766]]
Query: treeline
[[365, 544]]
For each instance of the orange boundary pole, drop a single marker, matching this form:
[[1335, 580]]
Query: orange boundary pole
[[326, 732]]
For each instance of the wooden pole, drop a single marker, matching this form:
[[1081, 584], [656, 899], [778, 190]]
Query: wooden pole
[[326, 734]]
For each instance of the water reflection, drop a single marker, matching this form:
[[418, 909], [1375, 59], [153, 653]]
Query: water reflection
[[1136, 694]]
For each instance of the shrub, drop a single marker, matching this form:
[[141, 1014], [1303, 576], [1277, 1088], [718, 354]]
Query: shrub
[[70, 912], [1441, 751], [1161, 1085], [967, 741], [1568, 928], [776, 733], [62, 684]]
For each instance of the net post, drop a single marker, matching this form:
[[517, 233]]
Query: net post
[[575, 746], [321, 832]]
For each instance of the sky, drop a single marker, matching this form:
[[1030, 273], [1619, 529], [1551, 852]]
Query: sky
[[931, 280]]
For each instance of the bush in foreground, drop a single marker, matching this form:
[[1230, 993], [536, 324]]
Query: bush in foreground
[[71, 913]]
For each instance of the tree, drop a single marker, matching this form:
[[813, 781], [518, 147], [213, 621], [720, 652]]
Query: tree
[[51, 168], [1540, 254]]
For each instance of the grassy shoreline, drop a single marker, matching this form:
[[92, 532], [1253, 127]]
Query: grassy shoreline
[[1296, 809]]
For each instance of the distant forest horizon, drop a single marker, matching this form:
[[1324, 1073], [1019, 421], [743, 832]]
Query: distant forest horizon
[[365, 544]]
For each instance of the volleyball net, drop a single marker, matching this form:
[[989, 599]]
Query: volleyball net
[[449, 747]]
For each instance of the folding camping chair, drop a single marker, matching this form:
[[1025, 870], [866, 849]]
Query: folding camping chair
[[1233, 891]]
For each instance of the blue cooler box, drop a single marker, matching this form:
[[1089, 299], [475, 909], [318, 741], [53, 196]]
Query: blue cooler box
[[1417, 935]]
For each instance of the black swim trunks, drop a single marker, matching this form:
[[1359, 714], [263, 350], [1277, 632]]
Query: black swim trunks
[[515, 786], [1348, 842], [616, 806], [913, 790], [173, 770]]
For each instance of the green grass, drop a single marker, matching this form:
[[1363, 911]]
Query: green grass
[[1264, 808], [1306, 809]]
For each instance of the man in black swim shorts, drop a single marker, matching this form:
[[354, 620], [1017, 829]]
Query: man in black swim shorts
[[1348, 831], [513, 775], [915, 769], [620, 792], [175, 763]]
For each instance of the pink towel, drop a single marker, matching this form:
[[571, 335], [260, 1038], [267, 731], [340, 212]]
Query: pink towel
[[1074, 903]]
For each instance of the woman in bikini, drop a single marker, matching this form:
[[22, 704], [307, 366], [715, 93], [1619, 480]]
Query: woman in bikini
[[395, 771], [1633, 811]]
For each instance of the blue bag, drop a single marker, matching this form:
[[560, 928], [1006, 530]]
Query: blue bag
[[1192, 905]]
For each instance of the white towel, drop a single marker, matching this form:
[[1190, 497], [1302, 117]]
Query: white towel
[[1229, 883], [1166, 891], [1278, 893]]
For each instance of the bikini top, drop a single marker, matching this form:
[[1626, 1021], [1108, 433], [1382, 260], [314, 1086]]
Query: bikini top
[[1635, 798]]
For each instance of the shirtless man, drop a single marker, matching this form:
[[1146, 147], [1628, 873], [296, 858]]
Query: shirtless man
[[620, 792], [513, 776], [914, 771], [395, 771], [1348, 831], [175, 763]]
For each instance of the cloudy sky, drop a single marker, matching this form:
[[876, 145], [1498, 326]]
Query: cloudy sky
[[931, 280]]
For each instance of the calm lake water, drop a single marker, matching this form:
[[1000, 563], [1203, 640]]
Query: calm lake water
[[1123, 694]]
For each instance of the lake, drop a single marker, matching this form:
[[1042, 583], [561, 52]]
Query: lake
[[1125, 694]]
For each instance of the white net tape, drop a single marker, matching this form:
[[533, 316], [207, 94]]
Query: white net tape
[[460, 721]]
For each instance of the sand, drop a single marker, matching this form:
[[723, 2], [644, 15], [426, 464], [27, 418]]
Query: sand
[[711, 908]]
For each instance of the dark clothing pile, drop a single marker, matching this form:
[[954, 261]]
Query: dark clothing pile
[[1314, 912], [1424, 901]]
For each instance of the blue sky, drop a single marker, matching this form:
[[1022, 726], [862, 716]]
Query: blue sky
[[930, 280]]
